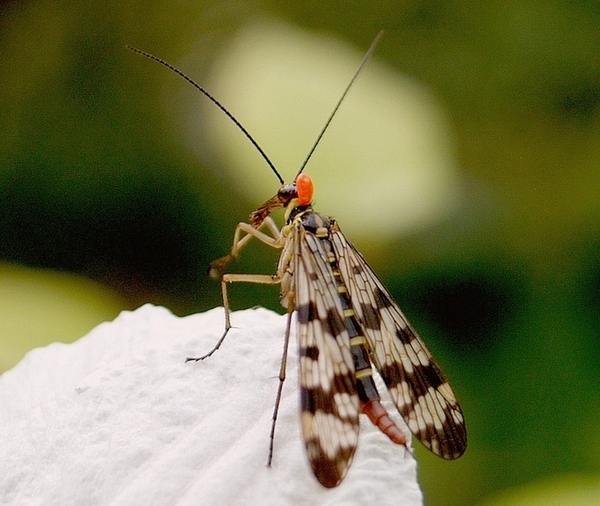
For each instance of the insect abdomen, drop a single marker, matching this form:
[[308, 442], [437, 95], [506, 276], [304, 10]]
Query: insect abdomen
[[363, 373]]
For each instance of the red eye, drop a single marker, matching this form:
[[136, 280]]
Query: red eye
[[304, 188]]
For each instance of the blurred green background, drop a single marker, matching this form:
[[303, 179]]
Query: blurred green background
[[105, 203]]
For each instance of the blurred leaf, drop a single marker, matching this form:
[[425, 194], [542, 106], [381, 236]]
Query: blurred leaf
[[39, 307]]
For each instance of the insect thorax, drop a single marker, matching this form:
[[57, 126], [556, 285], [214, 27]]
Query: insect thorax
[[314, 223], [302, 217]]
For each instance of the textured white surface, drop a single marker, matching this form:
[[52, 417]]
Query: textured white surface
[[118, 418]]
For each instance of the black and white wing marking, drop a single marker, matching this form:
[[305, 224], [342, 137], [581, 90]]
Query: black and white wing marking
[[418, 387], [329, 401]]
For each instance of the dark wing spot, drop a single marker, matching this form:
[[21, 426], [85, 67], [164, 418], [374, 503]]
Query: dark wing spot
[[316, 399], [432, 374], [405, 335], [307, 312], [392, 374], [335, 323], [381, 298], [311, 352], [371, 318]]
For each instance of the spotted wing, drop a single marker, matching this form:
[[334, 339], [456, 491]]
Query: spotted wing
[[418, 387], [329, 401]]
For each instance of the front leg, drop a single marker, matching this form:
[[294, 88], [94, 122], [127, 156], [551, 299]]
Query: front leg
[[216, 267]]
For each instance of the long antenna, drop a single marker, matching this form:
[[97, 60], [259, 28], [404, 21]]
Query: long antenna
[[214, 101], [337, 106]]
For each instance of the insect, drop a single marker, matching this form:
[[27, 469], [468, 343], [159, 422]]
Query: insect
[[347, 323]]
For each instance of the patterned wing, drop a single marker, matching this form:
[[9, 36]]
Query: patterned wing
[[418, 387], [329, 401]]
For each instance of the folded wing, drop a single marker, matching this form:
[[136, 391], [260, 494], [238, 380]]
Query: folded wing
[[329, 401], [416, 384]]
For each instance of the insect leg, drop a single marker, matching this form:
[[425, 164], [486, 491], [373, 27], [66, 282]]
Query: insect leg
[[216, 267], [282, 369], [263, 279]]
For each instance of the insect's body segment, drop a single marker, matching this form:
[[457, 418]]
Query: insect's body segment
[[336, 375], [347, 320], [363, 372]]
